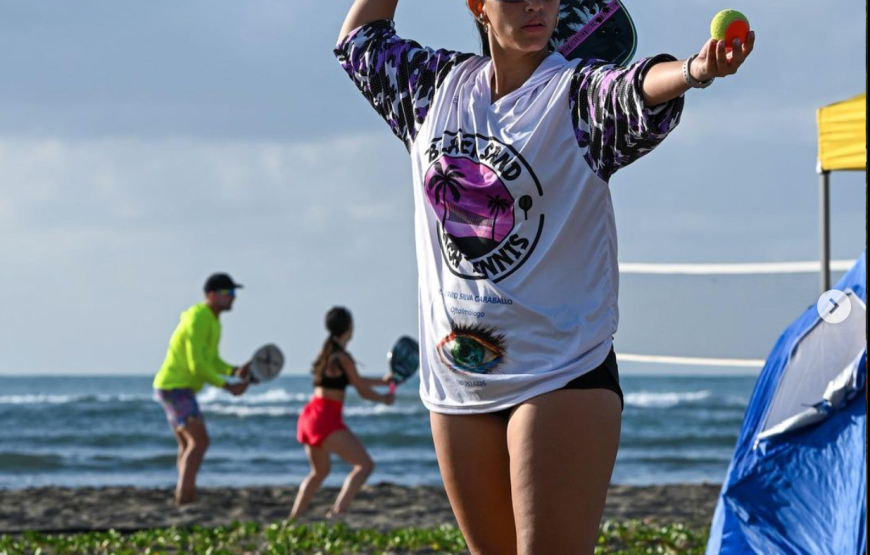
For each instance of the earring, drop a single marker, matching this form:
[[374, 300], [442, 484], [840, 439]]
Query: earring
[[484, 23]]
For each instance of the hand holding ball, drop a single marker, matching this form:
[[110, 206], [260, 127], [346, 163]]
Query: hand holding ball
[[728, 25]]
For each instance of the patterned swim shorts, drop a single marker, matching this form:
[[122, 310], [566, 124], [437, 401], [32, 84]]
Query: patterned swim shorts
[[179, 404]]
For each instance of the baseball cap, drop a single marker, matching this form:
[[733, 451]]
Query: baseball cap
[[217, 282]]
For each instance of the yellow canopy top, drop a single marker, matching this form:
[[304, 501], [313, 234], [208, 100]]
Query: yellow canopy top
[[843, 135]]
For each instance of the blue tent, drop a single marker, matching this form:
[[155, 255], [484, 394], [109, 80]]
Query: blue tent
[[797, 482]]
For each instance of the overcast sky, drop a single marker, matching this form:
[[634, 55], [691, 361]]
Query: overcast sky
[[144, 145]]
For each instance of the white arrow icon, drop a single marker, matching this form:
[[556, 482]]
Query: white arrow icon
[[834, 306]]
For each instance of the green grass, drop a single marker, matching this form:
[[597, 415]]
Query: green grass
[[616, 538]]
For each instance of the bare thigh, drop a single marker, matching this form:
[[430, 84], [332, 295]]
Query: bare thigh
[[475, 466], [347, 446], [318, 458], [562, 449]]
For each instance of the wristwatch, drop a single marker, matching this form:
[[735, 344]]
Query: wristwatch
[[691, 81]]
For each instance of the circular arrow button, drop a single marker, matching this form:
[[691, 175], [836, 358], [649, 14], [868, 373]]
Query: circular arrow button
[[834, 306]]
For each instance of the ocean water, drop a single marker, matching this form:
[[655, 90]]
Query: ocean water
[[94, 431]]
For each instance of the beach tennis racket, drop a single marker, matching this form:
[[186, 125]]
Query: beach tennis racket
[[266, 363], [600, 29], [404, 360]]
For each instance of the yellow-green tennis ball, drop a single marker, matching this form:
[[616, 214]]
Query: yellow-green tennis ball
[[728, 25]]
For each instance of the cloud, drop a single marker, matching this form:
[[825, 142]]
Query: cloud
[[56, 183]]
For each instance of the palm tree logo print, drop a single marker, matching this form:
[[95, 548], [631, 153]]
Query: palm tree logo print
[[444, 181], [468, 200], [477, 195], [496, 205]]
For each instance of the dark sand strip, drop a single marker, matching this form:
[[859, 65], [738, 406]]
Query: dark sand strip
[[381, 506]]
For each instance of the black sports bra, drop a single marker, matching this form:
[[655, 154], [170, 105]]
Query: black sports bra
[[339, 382]]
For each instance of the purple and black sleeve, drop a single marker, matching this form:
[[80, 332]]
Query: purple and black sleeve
[[612, 124], [398, 77]]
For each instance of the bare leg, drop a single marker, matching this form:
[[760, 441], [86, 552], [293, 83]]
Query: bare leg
[[197, 442], [475, 466], [562, 450], [347, 446], [182, 445], [318, 459]]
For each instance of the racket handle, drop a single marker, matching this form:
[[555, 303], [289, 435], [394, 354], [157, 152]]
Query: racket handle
[[392, 389]]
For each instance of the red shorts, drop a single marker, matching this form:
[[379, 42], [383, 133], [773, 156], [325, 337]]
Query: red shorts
[[320, 418]]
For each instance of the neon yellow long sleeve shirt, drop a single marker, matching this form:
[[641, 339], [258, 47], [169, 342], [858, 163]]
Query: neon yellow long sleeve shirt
[[192, 359]]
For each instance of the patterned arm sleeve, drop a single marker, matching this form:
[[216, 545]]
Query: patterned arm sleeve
[[612, 125], [398, 77]]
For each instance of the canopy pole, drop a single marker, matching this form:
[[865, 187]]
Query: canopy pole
[[824, 207]]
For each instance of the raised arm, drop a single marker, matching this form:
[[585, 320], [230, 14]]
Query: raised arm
[[362, 385], [366, 11], [376, 382], [397, 76], [665, 81], [622, 113]]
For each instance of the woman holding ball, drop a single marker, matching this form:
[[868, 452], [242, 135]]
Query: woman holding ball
[[512, 152]]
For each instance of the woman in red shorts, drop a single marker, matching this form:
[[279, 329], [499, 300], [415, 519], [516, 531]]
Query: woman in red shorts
[[321, 428]]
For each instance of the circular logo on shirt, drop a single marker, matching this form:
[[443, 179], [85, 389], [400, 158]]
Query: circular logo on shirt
[[488, 203]]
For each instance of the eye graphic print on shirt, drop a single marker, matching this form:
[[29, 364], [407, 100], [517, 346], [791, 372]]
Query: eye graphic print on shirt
[[472, 349], [487, 200]]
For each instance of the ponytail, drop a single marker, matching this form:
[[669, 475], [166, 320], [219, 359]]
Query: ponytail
[[330, 347], [338, 321]]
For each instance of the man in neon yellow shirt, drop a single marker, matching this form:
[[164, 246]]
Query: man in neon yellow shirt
[[192, 361]]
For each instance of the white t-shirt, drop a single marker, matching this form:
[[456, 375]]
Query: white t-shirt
[[515, 234]]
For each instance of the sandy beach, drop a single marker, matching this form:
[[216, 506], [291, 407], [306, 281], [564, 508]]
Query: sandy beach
[[381, 506]]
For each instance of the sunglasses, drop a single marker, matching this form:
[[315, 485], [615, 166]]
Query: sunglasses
[[227, 292]]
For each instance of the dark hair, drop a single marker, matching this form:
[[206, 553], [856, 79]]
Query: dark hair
[[338, 321], [484, 38]]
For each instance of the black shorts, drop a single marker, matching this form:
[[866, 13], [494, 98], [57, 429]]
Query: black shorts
[[604, 376]]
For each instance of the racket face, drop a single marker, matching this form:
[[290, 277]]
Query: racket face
[[404, 358], [266, 363], [599, 29]]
